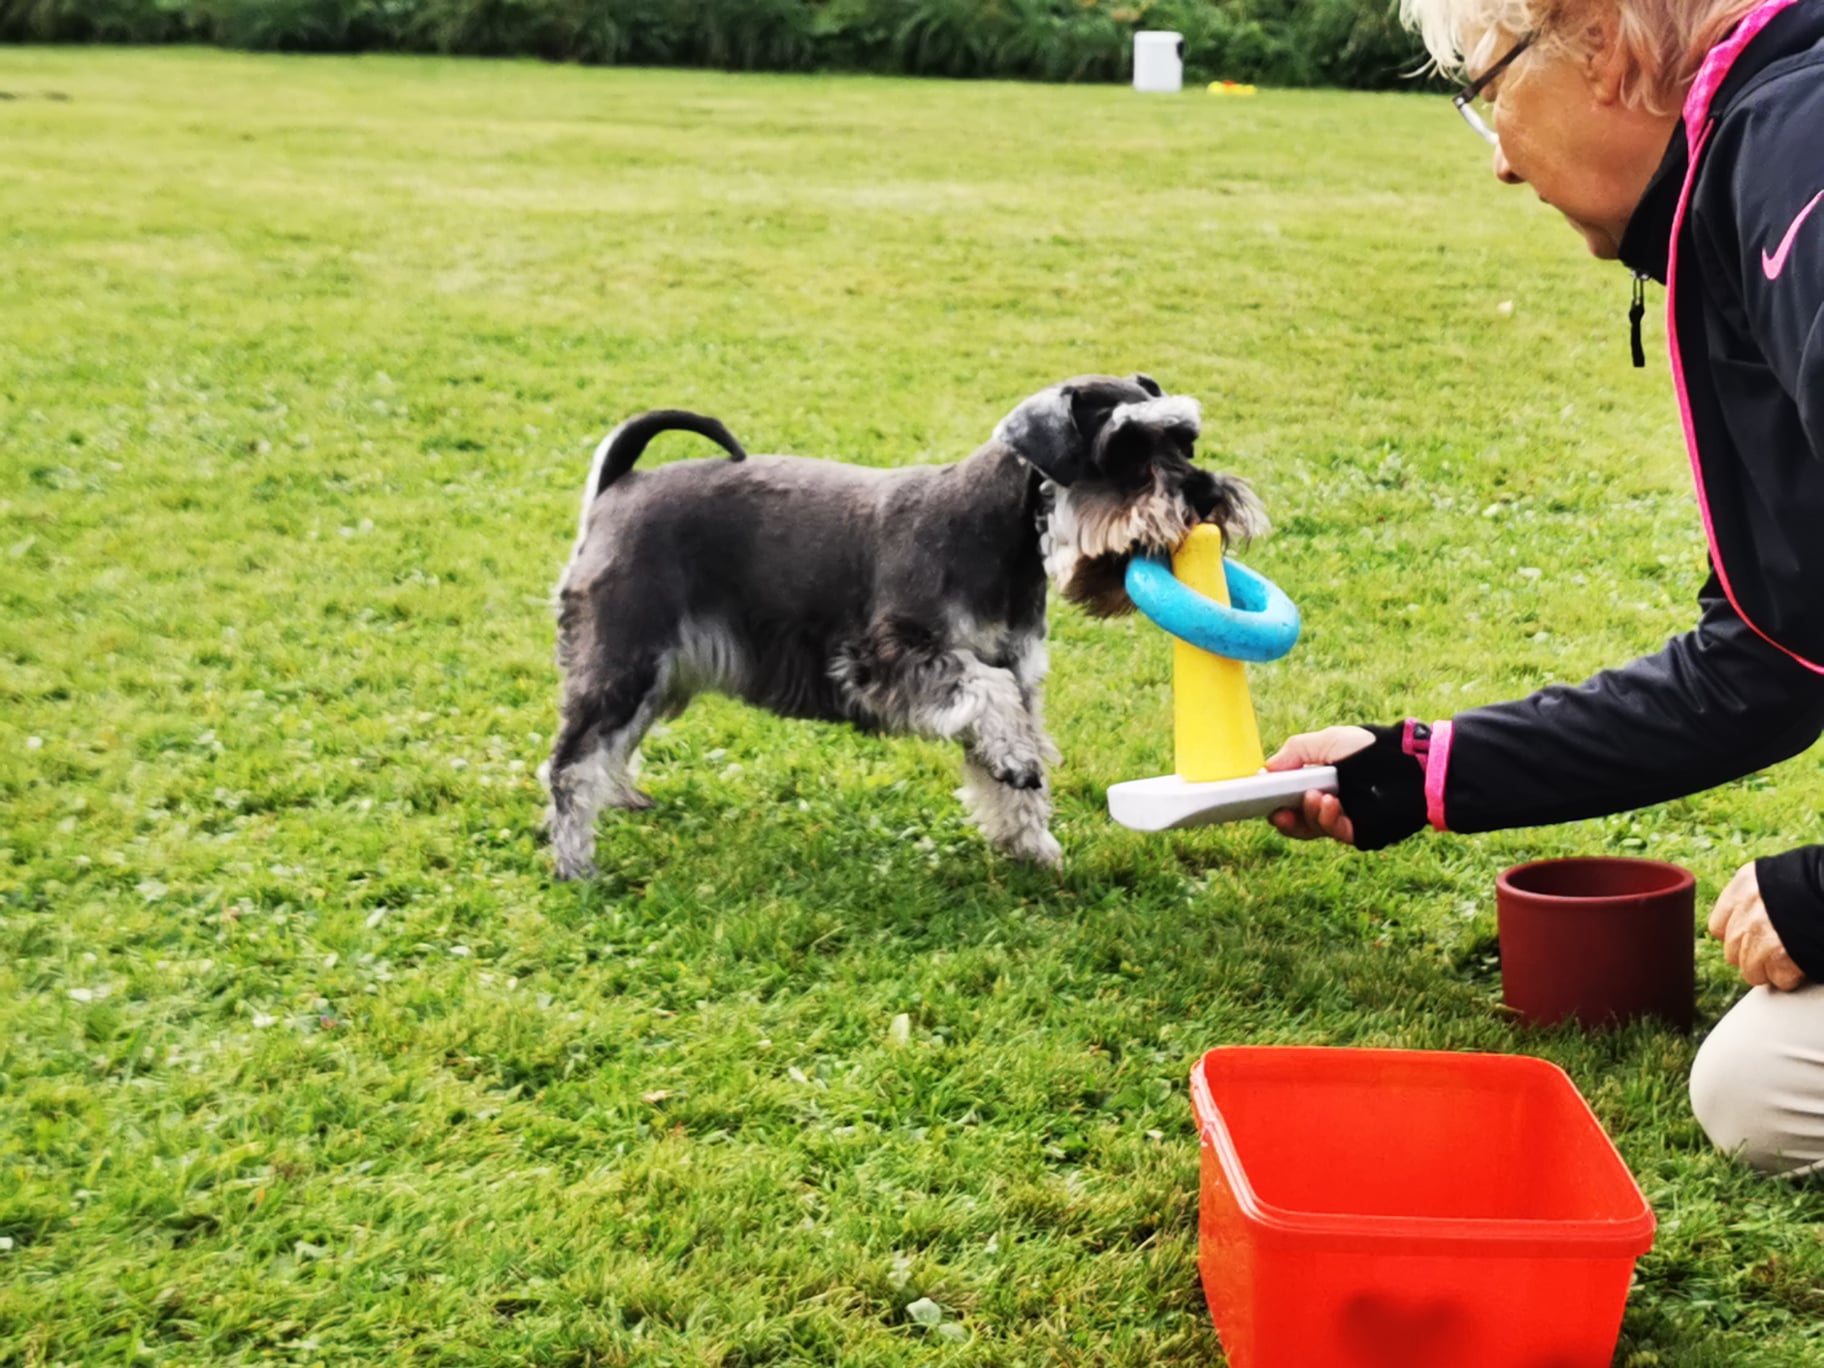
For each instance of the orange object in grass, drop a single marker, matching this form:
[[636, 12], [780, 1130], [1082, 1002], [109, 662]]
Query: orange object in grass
[[1410, 1209]]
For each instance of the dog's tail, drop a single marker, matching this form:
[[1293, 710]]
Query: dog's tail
[[622, 447]]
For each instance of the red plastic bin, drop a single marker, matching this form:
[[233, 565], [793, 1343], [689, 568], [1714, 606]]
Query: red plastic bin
[[1410, 1209]]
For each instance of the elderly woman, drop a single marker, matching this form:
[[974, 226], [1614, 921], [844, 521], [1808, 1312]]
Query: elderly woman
[[1684, 138]]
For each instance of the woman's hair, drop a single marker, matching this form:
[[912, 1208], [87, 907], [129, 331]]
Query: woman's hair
[[1664, 40]]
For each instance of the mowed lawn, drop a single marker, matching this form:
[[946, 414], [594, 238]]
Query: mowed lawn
[[305, 1059]]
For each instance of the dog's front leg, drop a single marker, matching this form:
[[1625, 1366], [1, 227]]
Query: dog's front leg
[[917, 686], [1015, 821], [1004, 783]]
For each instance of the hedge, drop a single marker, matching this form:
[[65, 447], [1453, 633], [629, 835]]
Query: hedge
[[1278, 42]]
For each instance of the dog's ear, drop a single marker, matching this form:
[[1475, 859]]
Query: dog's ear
[[1091, 407], [1150, 385], [1044, 432], [1055, 431]]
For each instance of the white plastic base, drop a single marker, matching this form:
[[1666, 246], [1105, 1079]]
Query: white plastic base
[[1168, 802]]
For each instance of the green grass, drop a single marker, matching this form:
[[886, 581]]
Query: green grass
[[304, 1059]]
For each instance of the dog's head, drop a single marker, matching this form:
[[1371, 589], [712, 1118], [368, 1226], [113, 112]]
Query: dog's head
[[1118, 456]]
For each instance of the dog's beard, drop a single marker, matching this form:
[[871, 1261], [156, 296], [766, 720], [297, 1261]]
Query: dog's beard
[[1092, 533]]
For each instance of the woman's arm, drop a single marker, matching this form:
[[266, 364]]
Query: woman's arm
[[1715, 704]]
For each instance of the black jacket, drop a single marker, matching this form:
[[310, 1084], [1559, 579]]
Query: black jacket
[[1738, 240]]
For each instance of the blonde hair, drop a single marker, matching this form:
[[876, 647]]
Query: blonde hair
[[1664, 40]]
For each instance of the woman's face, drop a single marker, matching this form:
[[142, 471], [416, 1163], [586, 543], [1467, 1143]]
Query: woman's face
[[1565, 132]]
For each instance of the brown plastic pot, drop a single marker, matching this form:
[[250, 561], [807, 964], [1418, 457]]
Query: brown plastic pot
[[1599, 940]]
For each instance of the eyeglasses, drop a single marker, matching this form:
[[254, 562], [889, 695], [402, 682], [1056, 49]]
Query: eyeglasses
[[1465, 99]]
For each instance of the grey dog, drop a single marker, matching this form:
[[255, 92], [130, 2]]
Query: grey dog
[[903, 601]]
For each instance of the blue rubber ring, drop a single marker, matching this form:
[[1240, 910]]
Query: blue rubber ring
[[1263, 624]]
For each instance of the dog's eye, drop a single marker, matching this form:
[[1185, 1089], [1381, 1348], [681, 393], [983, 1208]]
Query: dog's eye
[[1186, 444]]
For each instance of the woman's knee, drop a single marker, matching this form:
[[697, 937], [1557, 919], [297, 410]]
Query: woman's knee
[[1757, 1085]]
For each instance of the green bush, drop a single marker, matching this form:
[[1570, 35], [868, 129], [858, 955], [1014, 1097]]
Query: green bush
[[294, 25], [1277, 42], [557, 30], [95, 21]]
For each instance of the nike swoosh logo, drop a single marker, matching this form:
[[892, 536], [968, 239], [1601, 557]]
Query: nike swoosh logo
[[1773, 265]]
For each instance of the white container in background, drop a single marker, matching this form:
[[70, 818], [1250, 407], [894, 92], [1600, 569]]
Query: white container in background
[[1159, 61]]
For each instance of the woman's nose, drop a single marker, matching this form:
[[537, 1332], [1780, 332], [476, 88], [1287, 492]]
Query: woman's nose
[[1503, 172]]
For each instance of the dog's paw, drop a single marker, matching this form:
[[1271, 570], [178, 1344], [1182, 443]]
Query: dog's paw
[[569, 871], [1038, 848], [631, 800]]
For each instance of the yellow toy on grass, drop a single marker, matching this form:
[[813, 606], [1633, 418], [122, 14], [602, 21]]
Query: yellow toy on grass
[[1221, 614]]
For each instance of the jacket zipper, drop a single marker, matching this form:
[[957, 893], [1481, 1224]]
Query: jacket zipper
[[1637, 311]]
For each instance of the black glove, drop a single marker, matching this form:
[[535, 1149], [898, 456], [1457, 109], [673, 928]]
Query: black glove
[[1382, 789]]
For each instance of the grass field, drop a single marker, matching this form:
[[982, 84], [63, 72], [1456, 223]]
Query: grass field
[[304, 1059]]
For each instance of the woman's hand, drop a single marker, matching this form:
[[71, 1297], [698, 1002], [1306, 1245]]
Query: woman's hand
[[1750, 943], [1322, 814]]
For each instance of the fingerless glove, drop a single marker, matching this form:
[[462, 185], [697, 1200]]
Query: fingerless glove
[[1382, 787]]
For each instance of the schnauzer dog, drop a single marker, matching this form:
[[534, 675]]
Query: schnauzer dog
[[909, 600]]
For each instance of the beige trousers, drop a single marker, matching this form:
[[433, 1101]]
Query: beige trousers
[[1758, 1083]]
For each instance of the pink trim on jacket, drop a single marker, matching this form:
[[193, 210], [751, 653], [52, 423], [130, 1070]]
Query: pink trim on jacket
[[1710, 78], [1437, 769], [1716, 68]]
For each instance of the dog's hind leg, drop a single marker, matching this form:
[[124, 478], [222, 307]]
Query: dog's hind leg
[[591, 761]]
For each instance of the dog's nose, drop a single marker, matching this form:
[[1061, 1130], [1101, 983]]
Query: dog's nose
[[1200, 490]]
